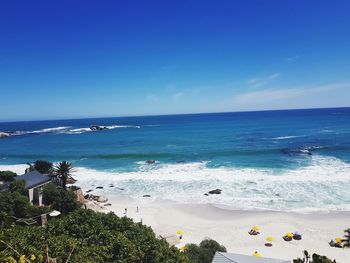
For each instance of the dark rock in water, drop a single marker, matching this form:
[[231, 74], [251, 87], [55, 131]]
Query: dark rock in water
[[146, 195], [97, 128], [150, 161], [88, 191], [120, 188], [293, 152], [108, 204], [180, 161], [206, 194], [216, 191], [99, 187], [111, 185], [87, 196]]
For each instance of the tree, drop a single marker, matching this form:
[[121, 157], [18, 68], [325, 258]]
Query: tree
[[63, 171], [50, 194], [204, 253], [59, 199], [65, 202], [43, 167], [18, 186], [31, 168], [20, 205], [7, 176], [88, 236], [315, 258]]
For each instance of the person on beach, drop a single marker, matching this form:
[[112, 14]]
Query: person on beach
[[137, 209], [125, 211]]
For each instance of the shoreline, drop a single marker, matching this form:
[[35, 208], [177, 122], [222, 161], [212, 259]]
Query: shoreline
[[230, 227]]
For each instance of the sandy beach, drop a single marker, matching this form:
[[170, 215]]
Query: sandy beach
[[230, 227]]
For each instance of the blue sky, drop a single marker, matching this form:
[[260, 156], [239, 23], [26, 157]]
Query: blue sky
[[73, 59]]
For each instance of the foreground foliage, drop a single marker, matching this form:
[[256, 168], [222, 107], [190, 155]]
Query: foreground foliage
[[60, 199], [15, 203], [7, 176], [89, 237], [203, 253], [315, 258]]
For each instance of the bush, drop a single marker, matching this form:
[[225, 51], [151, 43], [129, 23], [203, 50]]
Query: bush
[[315, 258], [20, 205], [204, 253], [18, 186], [50, 194], [60, 199], [65, 202], [43, 167], [93, 237], [7, 176]]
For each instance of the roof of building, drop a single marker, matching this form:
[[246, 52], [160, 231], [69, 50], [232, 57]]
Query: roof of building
[[33, 179], [221, 257]]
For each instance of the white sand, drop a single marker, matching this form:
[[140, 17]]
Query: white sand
[[230, 227]]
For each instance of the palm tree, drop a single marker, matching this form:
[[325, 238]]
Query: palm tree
[[63, 171]]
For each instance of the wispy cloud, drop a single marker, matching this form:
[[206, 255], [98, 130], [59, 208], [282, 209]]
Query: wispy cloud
[[152, 97], [298, 97], [258, 82], [292, 59], [177, 95]]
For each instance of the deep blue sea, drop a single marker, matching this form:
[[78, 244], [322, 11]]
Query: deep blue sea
[[279, 160]]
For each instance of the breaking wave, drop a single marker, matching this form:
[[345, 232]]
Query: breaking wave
[[303, 189], [69, 130], [287, 137]]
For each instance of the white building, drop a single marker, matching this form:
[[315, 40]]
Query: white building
[[35, 182]]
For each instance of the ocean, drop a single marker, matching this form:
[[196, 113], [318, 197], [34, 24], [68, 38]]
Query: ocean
[[289, 160]]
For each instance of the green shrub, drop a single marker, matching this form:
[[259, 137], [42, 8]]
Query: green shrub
[[43, 167], [50, 194], [93, 237], [65, 202], [315, 258], [18, 186], [205, 252], [7, 176]]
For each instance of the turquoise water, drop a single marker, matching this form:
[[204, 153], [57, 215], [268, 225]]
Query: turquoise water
[[269, 160]]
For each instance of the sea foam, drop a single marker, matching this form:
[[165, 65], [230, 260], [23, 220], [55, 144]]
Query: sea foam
[[304, 189]]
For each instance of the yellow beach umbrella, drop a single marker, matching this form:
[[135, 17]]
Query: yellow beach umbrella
[[180, 232], [338, 240], [289, 234], [256, 228], [270, 239], [183, 249], [256, 254]]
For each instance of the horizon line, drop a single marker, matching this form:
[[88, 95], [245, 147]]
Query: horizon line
[[174, 114]]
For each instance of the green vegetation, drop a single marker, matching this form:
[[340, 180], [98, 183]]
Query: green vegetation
[[315, 258], [203, 253], [88, 236], [7, 176], [17, 205], [18, 186], [43, 167], [63, 171], [60, 199], [81, 235]]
